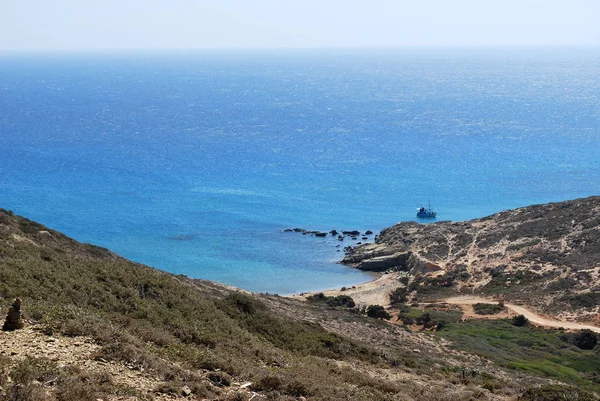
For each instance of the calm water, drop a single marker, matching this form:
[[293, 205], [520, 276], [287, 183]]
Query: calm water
[[195, 162]]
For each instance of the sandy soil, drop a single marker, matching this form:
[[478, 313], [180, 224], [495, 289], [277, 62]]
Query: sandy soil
[[521, 310], [374, 292]]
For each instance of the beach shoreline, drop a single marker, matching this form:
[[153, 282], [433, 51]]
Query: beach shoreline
[[372, 292]]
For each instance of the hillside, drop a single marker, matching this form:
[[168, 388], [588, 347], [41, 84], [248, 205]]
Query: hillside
[[545, 256], [101, 327]]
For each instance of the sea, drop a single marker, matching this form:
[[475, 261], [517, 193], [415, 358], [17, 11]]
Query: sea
[[195, 162]]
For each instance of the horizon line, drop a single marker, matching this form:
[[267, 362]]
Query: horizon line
[[323, 48]]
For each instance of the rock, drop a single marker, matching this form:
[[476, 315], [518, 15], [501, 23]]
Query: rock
[[186, 391], [379, 262], [353, 233], [364, 238], [219, 378], [340, 237], [288, 230], [320, 234], [14, 317], [368, 232], [333, 232]]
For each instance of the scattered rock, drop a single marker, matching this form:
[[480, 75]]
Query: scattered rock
[[14, 317], [186, 391]]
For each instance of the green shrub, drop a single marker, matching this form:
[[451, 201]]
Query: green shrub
[[340, 300], [520, 320], [398, 296], [487, 309], [377, 312], [584, 339]]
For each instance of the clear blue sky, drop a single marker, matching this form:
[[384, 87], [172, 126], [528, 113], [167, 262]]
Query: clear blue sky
[[241, 24]]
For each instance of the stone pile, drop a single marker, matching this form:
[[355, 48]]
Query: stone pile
[[14, 317]]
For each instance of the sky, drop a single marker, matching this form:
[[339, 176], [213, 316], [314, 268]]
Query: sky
[[27, 25]]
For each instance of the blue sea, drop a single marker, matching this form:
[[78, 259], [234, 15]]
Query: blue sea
[[195, 162]]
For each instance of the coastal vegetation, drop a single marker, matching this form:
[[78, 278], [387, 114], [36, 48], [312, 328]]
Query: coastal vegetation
[[339, 300], [527, 348]]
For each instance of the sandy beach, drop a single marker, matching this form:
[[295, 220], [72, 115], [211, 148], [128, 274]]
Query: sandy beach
[[374, 292]]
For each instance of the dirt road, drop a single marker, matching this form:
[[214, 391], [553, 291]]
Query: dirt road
[[520, 310]]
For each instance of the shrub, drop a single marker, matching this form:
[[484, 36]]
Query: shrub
[[487, 309], [585, 300], [35, 369], [584, 339], [243, 303], [552, 392], [377, 312], [340, 300], [398, 296], [520, 320]]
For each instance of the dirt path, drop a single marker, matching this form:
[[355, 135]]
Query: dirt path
[[520, 310]]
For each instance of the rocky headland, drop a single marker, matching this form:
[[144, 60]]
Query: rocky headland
[[546, 256]]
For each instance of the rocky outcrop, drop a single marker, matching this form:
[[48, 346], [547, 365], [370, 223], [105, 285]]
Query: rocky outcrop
[[548, 253], [353, 234], [14, 317], [379, 258]]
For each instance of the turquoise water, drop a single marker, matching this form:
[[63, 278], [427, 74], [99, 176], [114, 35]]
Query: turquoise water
[[195, 162]]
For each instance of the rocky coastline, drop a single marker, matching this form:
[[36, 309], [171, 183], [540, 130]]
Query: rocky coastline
[[547, 256]]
